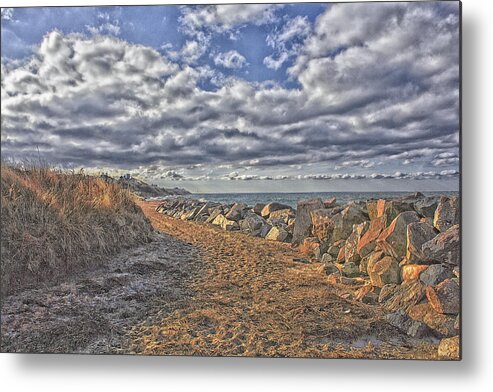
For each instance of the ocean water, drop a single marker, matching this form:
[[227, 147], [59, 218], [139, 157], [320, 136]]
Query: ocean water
[[292, 199]]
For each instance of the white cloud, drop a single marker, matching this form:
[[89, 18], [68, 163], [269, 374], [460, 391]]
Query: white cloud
[[7, 13], [231, 59]]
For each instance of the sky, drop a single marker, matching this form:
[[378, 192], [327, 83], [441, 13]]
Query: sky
[[238, 98]]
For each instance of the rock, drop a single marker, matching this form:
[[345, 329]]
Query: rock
[[444, 297], [313, 247], [408, 294], [447, 213], [251, 223], [281, 215], [341, 256], [204, 210], [327, 258], [335, 248], [387, 291], [457, 323], [403, 322], [330, 202], [225, 223], [384, 271], [265, 230], [442, 324], [350, 269], [371, 207], [214, 214], [277, 234], [344, 221], [237, 212], [449, 348], [412, 271], [322, 224], [444, 248], [257, 209], [303, 223], [351, 246], [426, 207], [330, 268], [418, 233], [393, 240], [367, 242], [435, 274], [271, 207], [456, 271]]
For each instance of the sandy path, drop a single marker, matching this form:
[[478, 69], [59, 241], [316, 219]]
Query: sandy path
[[252, 299], [91, 312]]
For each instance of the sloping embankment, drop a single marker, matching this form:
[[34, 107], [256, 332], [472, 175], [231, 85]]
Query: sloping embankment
[[56, 223]]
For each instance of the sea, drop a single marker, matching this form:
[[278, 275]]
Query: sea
[[292, 199]]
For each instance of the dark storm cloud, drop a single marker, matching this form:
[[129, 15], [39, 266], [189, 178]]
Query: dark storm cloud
[[377, 83]]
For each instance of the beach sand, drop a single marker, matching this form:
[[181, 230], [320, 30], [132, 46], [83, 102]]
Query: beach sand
[[253, 299]]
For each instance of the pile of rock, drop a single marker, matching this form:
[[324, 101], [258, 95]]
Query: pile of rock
[[408, 250], [272, 221]]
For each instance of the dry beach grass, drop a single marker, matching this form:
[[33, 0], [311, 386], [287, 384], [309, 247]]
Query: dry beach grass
[[54, 223]]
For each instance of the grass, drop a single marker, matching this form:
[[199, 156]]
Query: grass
[[55, 223]]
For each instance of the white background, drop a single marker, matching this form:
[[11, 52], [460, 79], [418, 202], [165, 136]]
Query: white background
[[475, 372]]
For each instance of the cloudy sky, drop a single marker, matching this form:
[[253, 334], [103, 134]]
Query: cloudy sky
[[301, 97]]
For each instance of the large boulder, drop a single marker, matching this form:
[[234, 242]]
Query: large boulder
[[282, 216], [330, 203], [322, 224], [384, 271], [313, 247], [447, 213], [214, 214], [351, 247], [404, 323], [417, 234], [444, 248], [426, 207], [271, 207], [445, 297], [303, 223], [257, 209], [237, 212], [277, 234], [344, 221], [252, 223], [412, 271], [435, 274], [443, 324], [350, 269], [393, 240], [404, 296], [225, 223], [367, 242], [371, 207], [449, 348]]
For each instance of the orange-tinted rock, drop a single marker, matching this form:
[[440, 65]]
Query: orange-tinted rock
[[384, 271], [341, 257], [322, 224], [344, 221], [281, 215], [408, 294], [412, 271], [418, 233], [351, 248], [371, 207], [368, 241], [312, 247], [443, 324], [449, 348], [271, 207], [393, 240]]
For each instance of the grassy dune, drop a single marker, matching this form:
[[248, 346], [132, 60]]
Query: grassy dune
[[55, 223]]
